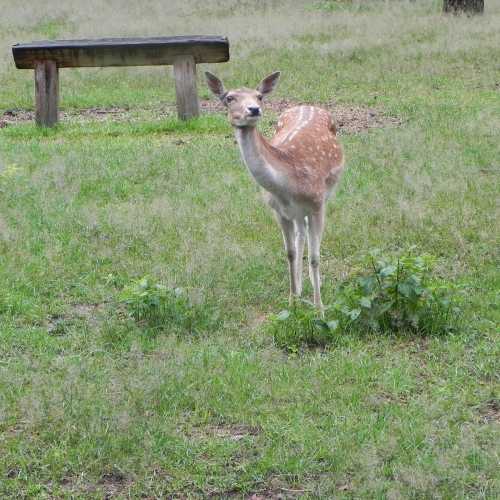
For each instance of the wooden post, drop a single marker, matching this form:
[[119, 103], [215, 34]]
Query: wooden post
[[46, 92], [185, 87]]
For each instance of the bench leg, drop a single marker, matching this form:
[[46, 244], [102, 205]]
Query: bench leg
[[46, 92], [185, 87]]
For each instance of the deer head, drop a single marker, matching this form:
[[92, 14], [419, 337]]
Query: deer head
[[244, 105]]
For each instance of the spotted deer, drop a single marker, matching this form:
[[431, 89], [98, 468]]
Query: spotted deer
[[298, 169]]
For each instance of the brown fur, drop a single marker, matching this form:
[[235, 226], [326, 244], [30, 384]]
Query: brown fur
[[313, 157]]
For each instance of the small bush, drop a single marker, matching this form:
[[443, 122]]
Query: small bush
[[161, 308], [301, 326], [389, 294], [399, 293]]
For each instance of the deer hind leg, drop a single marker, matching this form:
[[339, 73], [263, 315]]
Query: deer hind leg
[[300, 237], [288, 229], [314, 232]]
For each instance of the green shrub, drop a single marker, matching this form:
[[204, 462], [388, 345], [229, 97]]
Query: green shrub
[[388, 294], [399, 293], [301, 326], [156, 306]]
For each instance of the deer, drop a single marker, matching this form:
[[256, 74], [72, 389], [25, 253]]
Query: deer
[[297, 169]]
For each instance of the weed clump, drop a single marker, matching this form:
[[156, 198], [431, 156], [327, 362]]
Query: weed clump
[[164, 309], [300, 326], [388, 294]]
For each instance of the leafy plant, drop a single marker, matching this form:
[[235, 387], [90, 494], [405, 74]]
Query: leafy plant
[[389, 294], [301, 326], [167, 309], [398, 293]]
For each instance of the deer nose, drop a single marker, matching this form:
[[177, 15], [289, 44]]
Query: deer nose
[[254, 110]]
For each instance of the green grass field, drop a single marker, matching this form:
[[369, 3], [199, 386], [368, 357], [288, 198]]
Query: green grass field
[[95, 404]]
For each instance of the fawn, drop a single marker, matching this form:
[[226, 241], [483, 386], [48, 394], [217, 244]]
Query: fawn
[[298, 169]]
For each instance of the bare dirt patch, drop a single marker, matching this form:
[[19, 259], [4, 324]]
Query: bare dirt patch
[[384, 398], [281, 494], [262, 494], [57, 324], [110, 485], [355, 119], [14, 472], [490, 411], [14, 116], [275, 487], [233, 432], [278, 487], [113, 483], [349, 119]]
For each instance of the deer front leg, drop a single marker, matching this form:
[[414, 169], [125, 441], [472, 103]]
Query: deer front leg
[[288, 229], [315, 232], [300, 238]]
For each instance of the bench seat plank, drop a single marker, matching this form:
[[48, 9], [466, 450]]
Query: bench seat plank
[[122, 51]]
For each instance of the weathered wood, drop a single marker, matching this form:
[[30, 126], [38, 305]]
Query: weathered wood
[[46, 92], [183, 52], [122, 51], [469, 6], [185, 87]]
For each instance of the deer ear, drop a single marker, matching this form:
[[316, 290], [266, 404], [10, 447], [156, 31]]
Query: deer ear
[[215, 85], [269, 83]]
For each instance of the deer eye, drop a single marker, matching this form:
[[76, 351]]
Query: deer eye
[[259, 97], [230, 98]]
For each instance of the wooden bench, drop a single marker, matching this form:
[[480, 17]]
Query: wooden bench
[[183, 52]]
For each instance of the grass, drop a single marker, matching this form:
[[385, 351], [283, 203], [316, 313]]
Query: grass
[[92, 403]]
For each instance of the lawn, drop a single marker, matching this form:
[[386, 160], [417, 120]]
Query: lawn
[[96, 403]]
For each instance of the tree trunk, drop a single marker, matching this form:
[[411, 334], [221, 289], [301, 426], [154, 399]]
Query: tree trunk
[[469, 6]]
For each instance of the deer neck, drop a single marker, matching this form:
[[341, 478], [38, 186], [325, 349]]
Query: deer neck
[[256, 154]]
